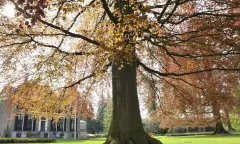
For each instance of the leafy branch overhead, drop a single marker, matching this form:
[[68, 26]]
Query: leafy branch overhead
[[162, 32]]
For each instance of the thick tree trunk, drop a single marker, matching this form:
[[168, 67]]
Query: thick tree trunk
[[219, 129], [126, 125]]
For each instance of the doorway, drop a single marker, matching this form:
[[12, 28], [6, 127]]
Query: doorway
[[42, 125]]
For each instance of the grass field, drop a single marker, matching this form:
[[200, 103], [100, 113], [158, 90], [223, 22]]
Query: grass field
[[204, 139]]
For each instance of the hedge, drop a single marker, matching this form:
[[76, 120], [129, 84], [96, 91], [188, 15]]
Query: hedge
[[101, 135], [189, 134], [27, 140]]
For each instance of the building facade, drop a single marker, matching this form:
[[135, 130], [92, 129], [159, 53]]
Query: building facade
[[27, 126]]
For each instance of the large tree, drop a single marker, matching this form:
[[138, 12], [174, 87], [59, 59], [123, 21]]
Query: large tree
[[55, 40]]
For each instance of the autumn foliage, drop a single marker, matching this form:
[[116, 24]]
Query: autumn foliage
[[37, 99]]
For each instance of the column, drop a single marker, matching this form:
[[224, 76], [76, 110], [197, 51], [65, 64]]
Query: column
[[78, 124], [48, 125], [39, 124]]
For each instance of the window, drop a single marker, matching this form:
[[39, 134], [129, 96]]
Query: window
[[24, 122], [76, 135], [61, 125], [82, 125], [31, 122], [72, 124], [45, 135], [18, 122], [18, 135], [43, 124]]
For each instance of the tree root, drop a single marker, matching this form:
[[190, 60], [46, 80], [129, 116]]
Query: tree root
[[152, 140]]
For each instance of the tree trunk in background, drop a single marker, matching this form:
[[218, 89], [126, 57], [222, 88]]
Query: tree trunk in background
[[126, 125], [219, 129], [229, 125]]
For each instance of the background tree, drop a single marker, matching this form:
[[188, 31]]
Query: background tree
[[153, 127], [235, 114], [228, 120], [102, 104], [93, 126], [42, 100], [200, 104], [107, 115], [82, 39]]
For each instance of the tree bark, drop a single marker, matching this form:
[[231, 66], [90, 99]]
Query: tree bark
[[126, 125], [219, 129]]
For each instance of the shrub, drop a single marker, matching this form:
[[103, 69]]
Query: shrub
[[7, 132], [26, 140], [179, 130], [189, 134], [154, 127], [101, 135]]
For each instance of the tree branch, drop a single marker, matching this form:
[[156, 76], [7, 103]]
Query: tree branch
[[57, 27], [148, 69], [89, 76], [70, 33], [109, 13]]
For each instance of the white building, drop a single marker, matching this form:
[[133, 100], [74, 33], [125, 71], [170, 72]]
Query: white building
[[28, 126]]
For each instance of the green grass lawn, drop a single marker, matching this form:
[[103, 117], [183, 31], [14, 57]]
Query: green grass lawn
[[204, 139]]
